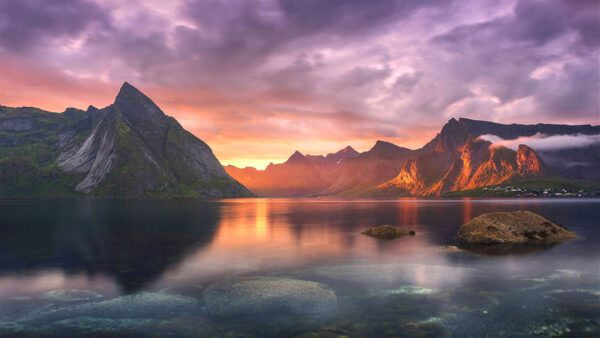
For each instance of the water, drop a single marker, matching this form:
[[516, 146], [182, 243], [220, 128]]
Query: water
[[141, 267]]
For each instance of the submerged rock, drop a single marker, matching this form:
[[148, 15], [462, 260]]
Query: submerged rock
[[519, 227], [72, 295], [105, 325], [410, 290], [581, 300], [140, 305], [249, 295], [387, 232]]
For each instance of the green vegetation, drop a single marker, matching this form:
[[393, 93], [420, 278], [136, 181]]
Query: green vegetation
[[547, 186], [31, 140], [29, 147]]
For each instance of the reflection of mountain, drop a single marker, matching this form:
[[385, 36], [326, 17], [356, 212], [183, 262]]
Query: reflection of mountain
[[134, 241], [455, 159]]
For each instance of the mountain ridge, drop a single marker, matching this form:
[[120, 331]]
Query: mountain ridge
[[455, 159], [129, 148]]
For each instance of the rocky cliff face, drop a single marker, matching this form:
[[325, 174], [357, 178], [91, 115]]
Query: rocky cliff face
[[460, 162], [455, 159], [130, 148]]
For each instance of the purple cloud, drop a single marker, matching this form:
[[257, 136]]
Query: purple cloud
[[27, 23], [320, 70]]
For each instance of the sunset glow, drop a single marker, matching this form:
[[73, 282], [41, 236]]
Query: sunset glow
[[259, 81]]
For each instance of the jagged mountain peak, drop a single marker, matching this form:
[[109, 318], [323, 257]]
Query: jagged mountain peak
[[132, 148], [346, 152], [127, 88], [348, 149], [341, 155], [296, 157], [128, 91], [452, 136], [135, 105], [530, 164], [383, 145]]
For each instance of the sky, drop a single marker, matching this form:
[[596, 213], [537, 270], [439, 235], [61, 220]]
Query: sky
[[260, 79]]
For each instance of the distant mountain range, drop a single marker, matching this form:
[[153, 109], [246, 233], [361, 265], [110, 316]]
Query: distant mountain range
[[130, 148], [456, 159]]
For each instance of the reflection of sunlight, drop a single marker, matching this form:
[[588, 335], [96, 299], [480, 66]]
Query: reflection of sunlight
[[467, 209], [261, 219], [409, 212], [265, 234], [435, 276], [421, 277]]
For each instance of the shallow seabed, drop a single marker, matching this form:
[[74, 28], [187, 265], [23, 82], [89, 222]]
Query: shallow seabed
[[289, 267]]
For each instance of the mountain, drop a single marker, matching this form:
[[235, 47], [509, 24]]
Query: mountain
[[300, 175], [462, 161], [572, 162], [130, 148], [345, 172], [456, 159], [333, 158], [360, 175], [513, 131], [478, 164]]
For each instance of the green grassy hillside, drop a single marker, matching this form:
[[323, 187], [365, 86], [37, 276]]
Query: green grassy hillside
[[547, 186]]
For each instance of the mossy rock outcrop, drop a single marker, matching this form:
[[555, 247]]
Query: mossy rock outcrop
[[387, 232], [512, 228]]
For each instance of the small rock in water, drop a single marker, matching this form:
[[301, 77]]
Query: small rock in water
[[450, 248], [519, 227], [387, 232], [249, 295]]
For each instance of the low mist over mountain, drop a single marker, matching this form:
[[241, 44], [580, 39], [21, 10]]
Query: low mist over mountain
[[460, 157], [130, 148]]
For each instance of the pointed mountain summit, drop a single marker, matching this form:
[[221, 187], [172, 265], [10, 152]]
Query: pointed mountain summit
[[341, 155], [297, 158], [383, 146], [137, 106], [131, 148], [348, 150], [452, 137]]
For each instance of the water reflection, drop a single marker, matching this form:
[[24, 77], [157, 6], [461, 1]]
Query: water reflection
[[134, 242], [179, 247]]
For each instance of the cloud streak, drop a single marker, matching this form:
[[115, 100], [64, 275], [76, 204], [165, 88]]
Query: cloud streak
[[541, 142]]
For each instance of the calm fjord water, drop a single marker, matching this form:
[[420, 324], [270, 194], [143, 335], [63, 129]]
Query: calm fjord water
[[140, 267]]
